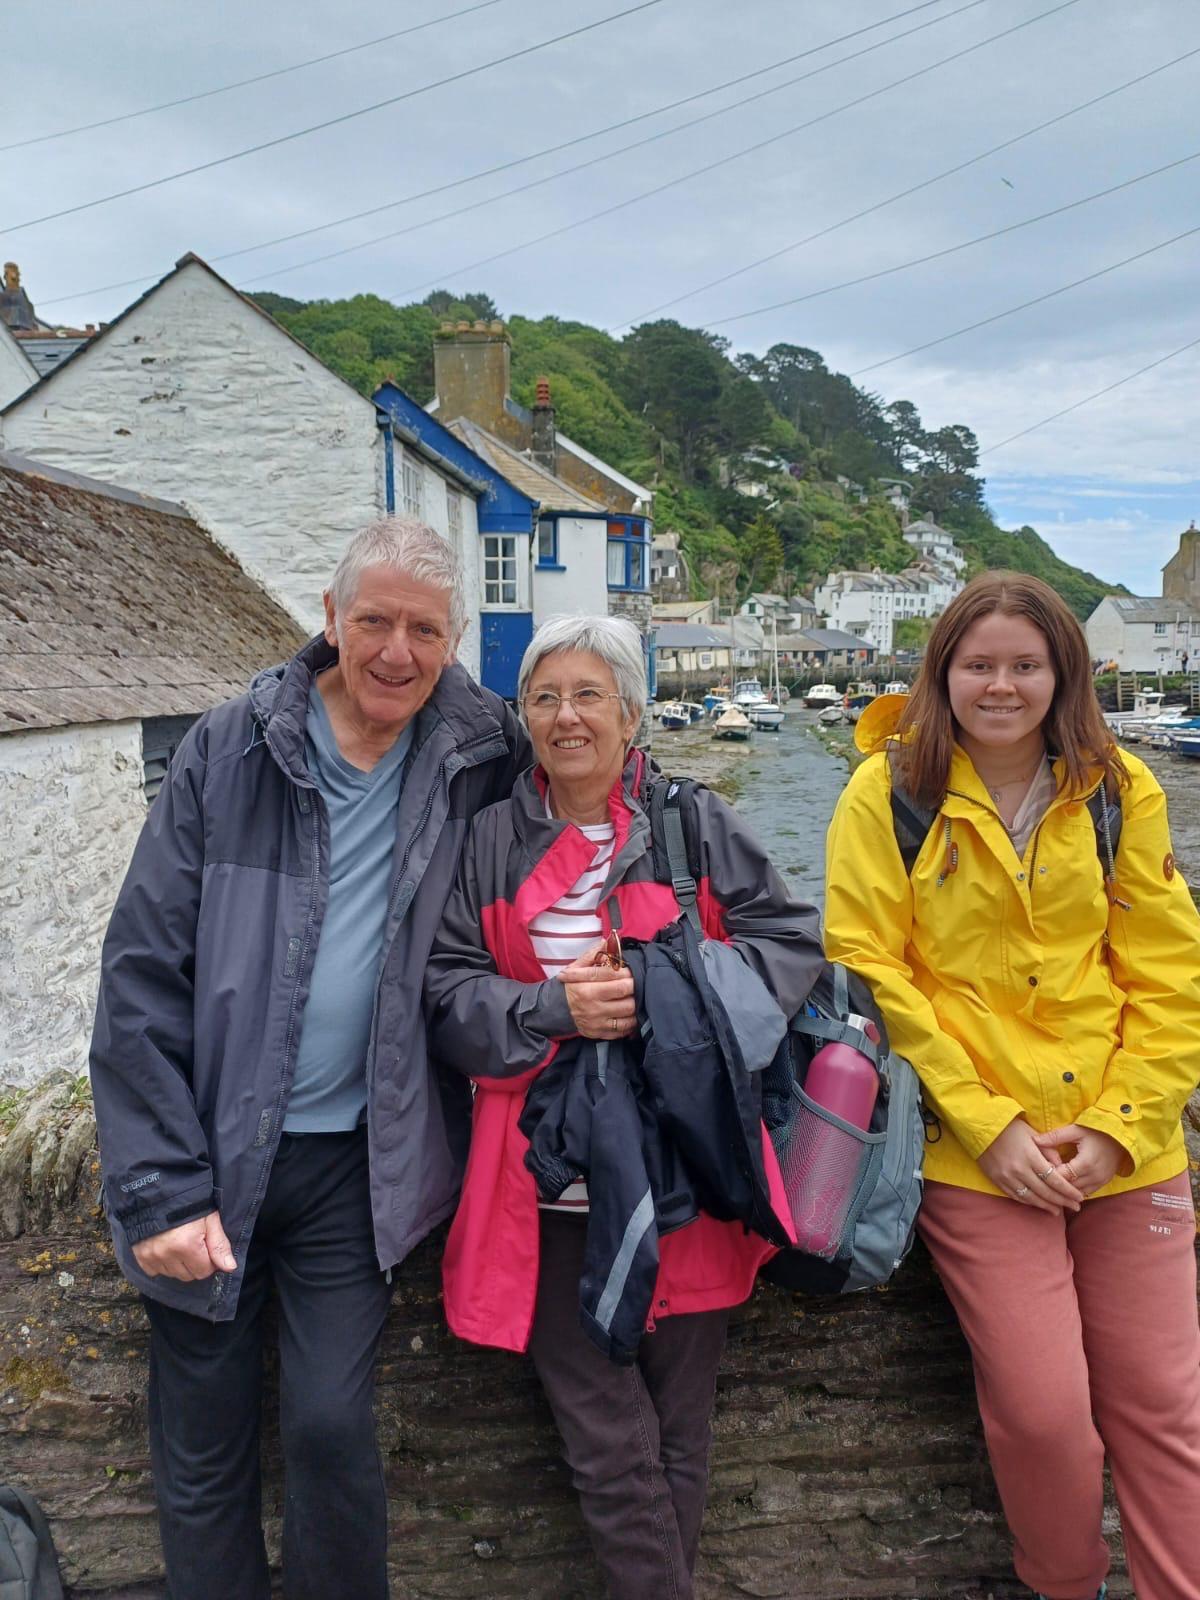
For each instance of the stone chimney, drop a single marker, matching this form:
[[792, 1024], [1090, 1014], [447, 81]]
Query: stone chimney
[[16, 310], [471, 374], [542, 444]]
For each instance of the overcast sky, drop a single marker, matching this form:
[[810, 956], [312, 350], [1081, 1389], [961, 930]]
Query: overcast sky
[[1110, 486]]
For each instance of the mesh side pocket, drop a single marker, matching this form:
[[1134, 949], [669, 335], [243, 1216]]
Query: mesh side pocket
[[823, 1161]]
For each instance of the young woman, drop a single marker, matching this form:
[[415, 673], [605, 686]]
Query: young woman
[[1052, 1009]]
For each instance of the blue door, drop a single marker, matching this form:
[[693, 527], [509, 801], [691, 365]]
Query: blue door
[[503, 638]]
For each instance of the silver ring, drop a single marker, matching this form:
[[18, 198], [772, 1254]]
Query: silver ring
[[1022, 1191], [1044, 1175]]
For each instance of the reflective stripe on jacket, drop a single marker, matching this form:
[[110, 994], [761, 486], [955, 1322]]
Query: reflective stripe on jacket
[[493, 1014], [1013, 986]]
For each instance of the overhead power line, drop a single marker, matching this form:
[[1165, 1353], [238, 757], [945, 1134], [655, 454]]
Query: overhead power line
[[1025, 305], [965, 244], [637, 144], [243, 83], [1087, 399], [333, 122], [519, 161], [697, 172], [901, 194]]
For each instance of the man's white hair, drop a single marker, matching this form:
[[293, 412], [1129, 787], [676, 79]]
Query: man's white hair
[[614, 640], [407, 545]]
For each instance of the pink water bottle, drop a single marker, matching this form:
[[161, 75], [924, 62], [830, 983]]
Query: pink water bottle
[[841, 1079], [823, 1162]]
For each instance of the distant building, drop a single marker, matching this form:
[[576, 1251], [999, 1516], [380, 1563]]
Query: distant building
[[869, 604], [43, 344], [826, 647], [1156, 633], [701, 611], [936, 545], [687, 648], [669, 575], [123, 621]]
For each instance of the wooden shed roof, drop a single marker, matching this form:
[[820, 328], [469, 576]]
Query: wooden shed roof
[[114, 606]]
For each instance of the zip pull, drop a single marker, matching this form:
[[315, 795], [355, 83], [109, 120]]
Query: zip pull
[[950, 862]]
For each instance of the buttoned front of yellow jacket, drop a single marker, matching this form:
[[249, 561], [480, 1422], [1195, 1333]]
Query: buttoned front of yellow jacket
[[1016, 986]]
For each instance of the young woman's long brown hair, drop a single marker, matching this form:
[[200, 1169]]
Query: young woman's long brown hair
[[1074, 728]]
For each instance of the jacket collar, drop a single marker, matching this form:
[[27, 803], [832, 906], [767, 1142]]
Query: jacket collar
[[456, 711], [966, 790]]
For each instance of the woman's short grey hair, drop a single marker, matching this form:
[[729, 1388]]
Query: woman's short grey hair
[[407, 545], [613, 640]]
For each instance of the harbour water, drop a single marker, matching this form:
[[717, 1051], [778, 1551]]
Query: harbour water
[[786, 785]]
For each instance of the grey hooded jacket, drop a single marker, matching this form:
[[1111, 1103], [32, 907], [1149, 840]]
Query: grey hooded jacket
[[209, 956]]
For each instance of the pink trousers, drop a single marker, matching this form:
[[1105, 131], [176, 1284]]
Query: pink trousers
[[1085, 1340]]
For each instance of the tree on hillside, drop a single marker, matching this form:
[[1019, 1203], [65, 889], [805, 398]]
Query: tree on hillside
[[479, 307], [908, 434], [673, 376], [945, 485], [760, 556]]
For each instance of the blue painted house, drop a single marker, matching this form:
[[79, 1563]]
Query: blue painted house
[[495, 539]]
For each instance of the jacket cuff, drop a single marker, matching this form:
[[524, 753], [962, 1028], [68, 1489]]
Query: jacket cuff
[[141, 1221], [980, 1121], [547, 1012], [1119, 1122]]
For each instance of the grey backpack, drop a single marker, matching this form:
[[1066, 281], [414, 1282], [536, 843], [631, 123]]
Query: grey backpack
[[876, 1172], [28, 1564]]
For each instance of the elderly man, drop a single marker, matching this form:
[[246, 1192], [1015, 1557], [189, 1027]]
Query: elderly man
[[268, 1113]]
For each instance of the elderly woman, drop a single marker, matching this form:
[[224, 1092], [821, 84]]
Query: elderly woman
[[517, 974]]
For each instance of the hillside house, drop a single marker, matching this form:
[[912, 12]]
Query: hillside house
[[698, 611], [472, 379], [120, 621], [688, 649], [669, 575], [936, 545]]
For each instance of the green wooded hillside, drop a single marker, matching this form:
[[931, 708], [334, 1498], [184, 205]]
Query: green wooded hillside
[[744, 452]]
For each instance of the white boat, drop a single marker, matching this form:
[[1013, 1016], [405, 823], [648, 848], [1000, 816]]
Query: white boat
[[822, 694], [768, 712], [898, 687], [733, 723], [749, 692], [831, 715], [1147, 708], [766, 716]]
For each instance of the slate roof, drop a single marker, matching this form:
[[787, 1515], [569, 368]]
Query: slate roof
[[114, 606], [551, 493], [687, 636], [835, 639], [1135, 608]]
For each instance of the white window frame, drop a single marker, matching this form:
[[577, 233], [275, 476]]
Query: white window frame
[[500, 563], [454, 517], [412, 486]]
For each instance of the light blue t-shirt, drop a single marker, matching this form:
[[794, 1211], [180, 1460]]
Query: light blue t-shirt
[[329, 1091]]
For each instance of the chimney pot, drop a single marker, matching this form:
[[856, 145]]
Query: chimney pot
[[543, 392]]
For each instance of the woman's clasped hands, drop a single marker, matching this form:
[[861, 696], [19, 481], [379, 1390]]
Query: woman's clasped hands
[[1029, 1167], [600, 995]]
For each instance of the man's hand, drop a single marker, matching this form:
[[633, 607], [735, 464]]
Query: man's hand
[[1017, 1163], [601, 999], [1097, 1160], [193, 1250]]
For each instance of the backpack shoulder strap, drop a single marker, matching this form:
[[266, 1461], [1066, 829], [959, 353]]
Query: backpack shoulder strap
[[910, 822], [670, 801]]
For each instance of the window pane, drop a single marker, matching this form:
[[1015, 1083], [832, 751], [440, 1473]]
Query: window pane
[[510, 594], [637, 568], [547, 541], [616, 562]]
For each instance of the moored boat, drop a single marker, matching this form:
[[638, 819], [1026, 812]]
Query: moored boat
[[733, 723], [749, 692], [1186, 744], [822, 694], [896, 687], [675, 714], [829, 716], [766, 716]]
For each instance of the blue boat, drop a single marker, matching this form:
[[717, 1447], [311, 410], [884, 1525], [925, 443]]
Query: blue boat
[[675, 714], [1186, 744]]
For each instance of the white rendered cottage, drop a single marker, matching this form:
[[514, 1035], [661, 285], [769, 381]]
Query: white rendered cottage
[[120, 621]]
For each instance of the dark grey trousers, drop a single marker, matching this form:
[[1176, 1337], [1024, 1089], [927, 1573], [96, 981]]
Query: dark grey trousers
[[314, 1240], [636, 1438]]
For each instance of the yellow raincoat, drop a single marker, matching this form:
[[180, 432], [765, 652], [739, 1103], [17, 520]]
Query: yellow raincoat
[[1014, 987]]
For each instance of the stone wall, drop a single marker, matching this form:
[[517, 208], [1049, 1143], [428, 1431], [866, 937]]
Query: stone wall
[[73, 807], [847, 1464]]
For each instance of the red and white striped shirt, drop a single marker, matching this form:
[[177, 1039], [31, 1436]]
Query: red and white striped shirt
[[560, 934]]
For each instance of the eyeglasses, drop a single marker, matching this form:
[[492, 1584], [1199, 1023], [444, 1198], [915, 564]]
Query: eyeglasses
[[545, 702]]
